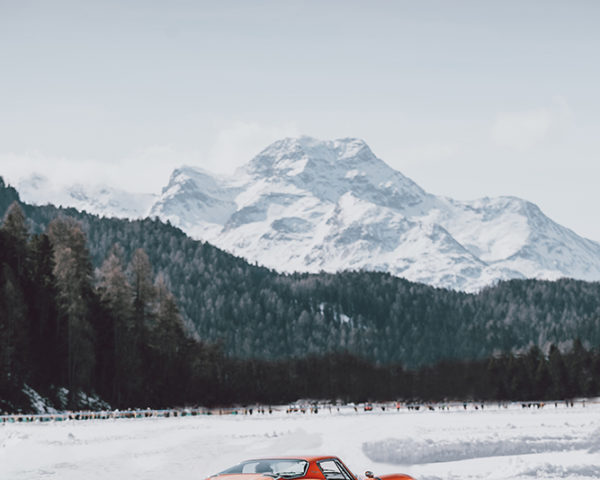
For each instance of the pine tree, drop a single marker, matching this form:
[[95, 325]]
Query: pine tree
[[168, 341], [140, 274], [558, 374], [45, 329], [13, 333], [15, 354], [119, 363], [15, 227], [576, 362], [73, 273], [542, 381]]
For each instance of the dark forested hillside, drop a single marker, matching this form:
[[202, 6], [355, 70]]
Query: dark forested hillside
[[256, 312], [86, 306]]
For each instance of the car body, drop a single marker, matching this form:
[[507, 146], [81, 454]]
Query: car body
[[327, 467]]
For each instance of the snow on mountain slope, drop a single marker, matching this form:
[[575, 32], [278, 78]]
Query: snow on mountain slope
[[196, 202], [516, 235], [96, 199], [309, 205]]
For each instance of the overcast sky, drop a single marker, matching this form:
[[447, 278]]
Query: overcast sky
[[468, 98]]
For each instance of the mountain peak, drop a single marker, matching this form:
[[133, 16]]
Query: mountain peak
[[340, 147], [304, 204], [292, 156]]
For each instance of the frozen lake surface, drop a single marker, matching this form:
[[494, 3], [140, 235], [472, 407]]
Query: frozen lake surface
[[496, 443]]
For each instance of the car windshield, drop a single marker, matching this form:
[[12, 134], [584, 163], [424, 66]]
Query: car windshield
[[288, 468]]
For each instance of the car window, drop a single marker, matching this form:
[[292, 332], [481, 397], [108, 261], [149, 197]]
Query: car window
[[332, 470], [285, 468]]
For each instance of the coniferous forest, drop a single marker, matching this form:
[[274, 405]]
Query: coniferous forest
[[141, 315]]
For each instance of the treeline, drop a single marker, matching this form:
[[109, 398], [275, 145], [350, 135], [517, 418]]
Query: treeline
[[255, 312], [531, 376], [116, 331]]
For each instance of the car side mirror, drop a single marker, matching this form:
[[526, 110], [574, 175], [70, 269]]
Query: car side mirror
[[369, 474]]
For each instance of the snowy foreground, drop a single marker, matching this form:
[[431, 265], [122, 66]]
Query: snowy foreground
[[496, 443]]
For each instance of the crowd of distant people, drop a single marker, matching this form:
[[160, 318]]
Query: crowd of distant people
[[302, 408]]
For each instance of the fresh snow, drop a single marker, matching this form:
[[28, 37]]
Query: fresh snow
[[496, 443], [95, 199], [309, 205], [38, 403]]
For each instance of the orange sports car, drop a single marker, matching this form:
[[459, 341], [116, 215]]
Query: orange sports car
[[293, 468]]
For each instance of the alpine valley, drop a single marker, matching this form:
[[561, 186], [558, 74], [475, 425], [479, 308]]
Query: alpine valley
[[309, 205]]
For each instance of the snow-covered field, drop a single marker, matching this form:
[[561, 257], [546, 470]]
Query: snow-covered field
[[496, 443]]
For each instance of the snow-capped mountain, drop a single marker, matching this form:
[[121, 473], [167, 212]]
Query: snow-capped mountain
[[309, 205], [96, 199]]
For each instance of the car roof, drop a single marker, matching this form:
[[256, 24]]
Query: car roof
[[308, 458]]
